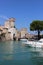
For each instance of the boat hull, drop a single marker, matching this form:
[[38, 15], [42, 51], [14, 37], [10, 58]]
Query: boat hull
[[35, 44]]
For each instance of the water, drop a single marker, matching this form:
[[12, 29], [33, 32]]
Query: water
[[16, 53]]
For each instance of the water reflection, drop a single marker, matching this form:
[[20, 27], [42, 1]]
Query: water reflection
[[19, 54], [37, 56], [7, 47], [38, 52], [8, 57], [6, 50]]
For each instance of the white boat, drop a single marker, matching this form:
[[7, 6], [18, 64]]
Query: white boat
[[23, 40], [35, 43]]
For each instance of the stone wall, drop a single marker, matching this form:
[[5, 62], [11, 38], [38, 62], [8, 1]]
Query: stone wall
[[8, 36], [23, 32]]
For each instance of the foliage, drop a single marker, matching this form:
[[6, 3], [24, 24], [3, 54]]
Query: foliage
[[37, 25]]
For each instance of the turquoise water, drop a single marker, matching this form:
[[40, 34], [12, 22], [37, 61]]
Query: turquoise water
[[16, 53]]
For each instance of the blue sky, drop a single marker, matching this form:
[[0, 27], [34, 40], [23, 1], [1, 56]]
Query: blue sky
[[25, 11]]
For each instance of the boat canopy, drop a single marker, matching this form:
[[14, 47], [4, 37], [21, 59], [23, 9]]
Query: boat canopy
[[41, 40]]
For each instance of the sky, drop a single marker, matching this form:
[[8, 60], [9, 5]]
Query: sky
[[24, 11]]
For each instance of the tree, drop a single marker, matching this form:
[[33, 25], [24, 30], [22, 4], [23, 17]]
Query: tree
[[37, 25]]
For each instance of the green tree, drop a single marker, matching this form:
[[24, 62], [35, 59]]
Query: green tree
[[37, 25]]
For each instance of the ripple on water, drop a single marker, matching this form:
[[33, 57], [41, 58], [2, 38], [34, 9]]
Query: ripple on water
[[16, 53]]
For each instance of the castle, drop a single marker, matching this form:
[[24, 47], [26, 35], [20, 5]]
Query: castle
[[9, 31]]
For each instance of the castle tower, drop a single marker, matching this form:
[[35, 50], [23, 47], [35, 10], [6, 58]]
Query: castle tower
[[10, 25], [7, 24], [11, 22]]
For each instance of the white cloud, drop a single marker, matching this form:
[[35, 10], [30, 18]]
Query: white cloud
[[3, 17]]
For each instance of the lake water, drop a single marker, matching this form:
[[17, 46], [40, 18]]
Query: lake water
[[16, 53]]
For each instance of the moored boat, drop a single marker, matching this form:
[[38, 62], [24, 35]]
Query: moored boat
[[23, 40], [35, 43]]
